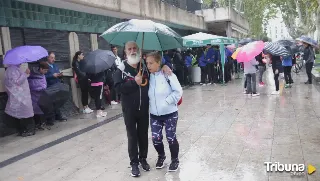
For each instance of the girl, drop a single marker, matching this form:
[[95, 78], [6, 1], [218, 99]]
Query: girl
[[82, 80], [164, 94], [97, 81]]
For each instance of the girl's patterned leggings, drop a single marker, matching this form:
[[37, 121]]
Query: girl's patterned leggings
[[170, 126]]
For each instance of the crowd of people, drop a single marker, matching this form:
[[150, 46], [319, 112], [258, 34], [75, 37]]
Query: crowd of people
[[150, 92], [24, 90], [279, 65]]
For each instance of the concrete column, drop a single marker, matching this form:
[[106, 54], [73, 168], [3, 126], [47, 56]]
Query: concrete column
[[6, 40], [1, 48], [229, 30], [94, 41], [5, 46], [73, 44], [74, 47]]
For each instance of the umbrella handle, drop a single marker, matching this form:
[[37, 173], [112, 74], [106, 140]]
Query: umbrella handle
[[146, 80]]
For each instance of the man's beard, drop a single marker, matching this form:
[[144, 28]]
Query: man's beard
[[133, 59]]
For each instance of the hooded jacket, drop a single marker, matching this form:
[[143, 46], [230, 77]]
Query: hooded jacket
[[164, 94], [37, 84]]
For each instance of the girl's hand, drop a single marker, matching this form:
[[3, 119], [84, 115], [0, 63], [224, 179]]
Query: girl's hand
[[277, 71]]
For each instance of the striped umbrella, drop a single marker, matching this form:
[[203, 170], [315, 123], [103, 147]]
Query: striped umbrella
[[276, 49]]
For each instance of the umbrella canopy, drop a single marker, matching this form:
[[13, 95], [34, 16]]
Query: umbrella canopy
[[232, 47], [246, 41], [98, 61], [308, 40], [202, 39], [295, 48], [250, 51], [286, 42], [24, 54], [234, 55], [59, 94], [276, 49], [156, 36], [45, 103]]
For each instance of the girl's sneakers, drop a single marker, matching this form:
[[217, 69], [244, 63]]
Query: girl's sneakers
[[288, 86], [275, 93], [87, 110], [101, 114], [160, 162], [174, 165]]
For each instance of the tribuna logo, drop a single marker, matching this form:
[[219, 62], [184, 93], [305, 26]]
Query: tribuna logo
[[294, 169]]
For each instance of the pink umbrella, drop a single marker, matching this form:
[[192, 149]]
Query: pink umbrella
[[231, 47], [249, 51]]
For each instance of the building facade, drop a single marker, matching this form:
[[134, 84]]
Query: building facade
[[276, 29]]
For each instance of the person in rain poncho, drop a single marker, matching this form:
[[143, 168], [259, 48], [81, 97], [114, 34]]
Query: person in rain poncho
[[37, 83], [19, 104], [135, 105]]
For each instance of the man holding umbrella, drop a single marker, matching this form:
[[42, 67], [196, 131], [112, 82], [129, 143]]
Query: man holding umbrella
[[135, 105]]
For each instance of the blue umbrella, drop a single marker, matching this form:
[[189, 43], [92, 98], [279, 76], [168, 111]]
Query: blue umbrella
[[308, 40], [24, 54]]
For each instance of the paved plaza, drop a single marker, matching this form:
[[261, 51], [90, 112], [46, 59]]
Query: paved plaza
[[223, 135]]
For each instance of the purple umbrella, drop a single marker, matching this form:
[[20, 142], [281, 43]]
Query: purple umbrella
[[24, 54]]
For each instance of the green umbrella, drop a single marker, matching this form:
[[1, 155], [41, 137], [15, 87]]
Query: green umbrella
[[153, 36], [202, 39]]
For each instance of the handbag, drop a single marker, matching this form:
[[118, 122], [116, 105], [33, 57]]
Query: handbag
[[180, 101], [75, 77]]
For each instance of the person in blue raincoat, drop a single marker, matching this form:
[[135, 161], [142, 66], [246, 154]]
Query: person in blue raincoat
[[202, 64], [211, 56], [188, 68], [228, 65], [166, 59]]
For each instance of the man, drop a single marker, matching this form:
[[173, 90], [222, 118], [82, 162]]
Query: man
[[135, 105], [114, 93], [53, 77]]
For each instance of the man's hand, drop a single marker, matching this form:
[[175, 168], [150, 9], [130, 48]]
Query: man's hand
[[166, 70], [55, 75], [28, 71], [138, 79]]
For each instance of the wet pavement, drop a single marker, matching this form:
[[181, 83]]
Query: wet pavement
[[223, 135]]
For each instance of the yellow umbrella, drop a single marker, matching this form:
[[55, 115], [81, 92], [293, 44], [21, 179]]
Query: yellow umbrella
[[234, 55]]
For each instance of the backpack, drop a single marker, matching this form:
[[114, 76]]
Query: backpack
[[180, 101]]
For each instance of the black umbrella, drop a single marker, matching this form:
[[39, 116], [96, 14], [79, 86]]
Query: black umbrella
[[57, 93], [296, 48], [245, 41], [46, 105], [98, 61], [276, 49], [286, 42]]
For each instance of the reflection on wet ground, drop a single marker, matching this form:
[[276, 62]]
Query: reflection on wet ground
[[223, 135]]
